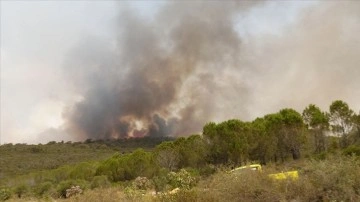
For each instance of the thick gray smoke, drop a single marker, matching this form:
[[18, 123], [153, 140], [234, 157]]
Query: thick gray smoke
[[161, 76], [188, 65]]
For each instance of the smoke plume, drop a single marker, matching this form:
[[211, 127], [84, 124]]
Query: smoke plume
[[189, 65]]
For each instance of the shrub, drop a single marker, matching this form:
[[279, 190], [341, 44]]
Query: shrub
[[5, 194], [37, 149], [74, 190], [334, 179], [207, 170], [44, 189], [100, 182], [352, 150], [83, 171], [21, 190], [68, 184], [182, 179], [244, 186], [128, 166], [160, 180], [62, 173], [142, 183], [133, 194]]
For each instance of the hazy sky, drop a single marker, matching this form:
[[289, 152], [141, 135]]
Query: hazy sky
[[291, 54]]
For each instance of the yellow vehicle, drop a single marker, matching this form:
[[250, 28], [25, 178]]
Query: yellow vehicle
[[293, 175], [255, 167]]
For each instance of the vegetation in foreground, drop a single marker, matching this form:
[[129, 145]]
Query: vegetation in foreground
[[328, 165], [22, 159], [335, 179]]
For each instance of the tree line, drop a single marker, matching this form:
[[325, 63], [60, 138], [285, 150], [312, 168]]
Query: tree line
[[275, 137]]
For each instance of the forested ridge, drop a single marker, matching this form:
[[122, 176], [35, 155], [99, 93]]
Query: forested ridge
[[322, 145]]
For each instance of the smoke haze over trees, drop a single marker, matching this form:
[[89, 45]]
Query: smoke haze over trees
[[161, 77], [190, 63], [171, 74]]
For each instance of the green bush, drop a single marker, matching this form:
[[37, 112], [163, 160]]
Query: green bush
[[352, 150], [182, 179], [133, 194], [5, 194], [44, 189], [61, 174], [64, 185], [83, 171], [21, 190], [160, 180], [207, 170], [100, 182], [129, 166], [37, 149], [142, 183]]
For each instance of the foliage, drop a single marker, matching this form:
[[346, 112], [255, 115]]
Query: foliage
[[160, 180], [19, 159], [84, 171], [317, 123], [128, 166], [100, 182], [5, 194], [142, 183], [182, 153], [44, 189], [274, 137], [167, 156], [64, 185], [352, 150], [227, 141], [341, 117], [21, 190], [181, 179], [331, 171]]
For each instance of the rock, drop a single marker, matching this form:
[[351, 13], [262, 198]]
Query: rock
[[74, 190]]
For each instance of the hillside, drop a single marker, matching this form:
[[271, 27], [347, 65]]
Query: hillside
[[21, 159], [195, 168]]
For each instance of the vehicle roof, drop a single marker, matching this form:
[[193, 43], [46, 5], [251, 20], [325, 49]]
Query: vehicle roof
[[248, 166]]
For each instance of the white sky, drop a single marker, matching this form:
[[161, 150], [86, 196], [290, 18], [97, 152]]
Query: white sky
[[36, 37]]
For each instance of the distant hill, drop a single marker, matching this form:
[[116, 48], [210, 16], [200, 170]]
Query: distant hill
[[18, 159]]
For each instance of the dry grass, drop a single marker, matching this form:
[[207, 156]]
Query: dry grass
[[334, 179]]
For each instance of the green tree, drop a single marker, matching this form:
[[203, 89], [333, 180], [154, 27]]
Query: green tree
[[274, 142], [213, 140], [193, 151], [284, 129], [227, 141], [317, 123], [128, 166], [341, 120], [114, 167], [356, 129], [141, 163], [167, 155], [293, 132], [263, 143]]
